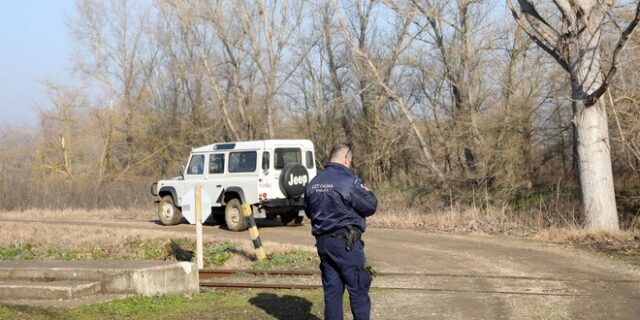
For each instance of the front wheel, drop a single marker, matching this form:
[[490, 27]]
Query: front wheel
[[233, 216], [168, 213]]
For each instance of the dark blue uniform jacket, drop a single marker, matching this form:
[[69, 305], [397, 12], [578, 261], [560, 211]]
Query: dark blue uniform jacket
[[336, 198]]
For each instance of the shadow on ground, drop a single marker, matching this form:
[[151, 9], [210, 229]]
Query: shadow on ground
[[284, 307]]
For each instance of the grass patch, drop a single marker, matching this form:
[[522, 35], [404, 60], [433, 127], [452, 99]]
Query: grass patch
[[211, 304], [290, 260], [10, 253], [215, 253]]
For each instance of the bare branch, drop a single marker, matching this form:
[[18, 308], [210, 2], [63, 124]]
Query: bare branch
[[142, 161], [538, 23], [568, 13], [624, 36], [544, 43]]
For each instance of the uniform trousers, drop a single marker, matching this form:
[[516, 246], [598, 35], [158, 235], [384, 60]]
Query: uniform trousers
[[341, 268]]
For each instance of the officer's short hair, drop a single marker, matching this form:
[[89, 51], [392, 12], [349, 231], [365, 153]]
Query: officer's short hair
[[339, 149]]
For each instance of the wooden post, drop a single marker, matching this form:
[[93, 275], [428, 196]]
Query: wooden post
[[198, 204], [253, 232]]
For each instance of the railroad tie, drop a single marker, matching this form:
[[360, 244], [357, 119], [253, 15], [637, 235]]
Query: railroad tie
[[253, 231]]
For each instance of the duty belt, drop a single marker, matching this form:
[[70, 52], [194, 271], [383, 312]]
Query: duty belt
[[350, 233]]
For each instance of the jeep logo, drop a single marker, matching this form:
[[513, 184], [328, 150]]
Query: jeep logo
[[293, 180]]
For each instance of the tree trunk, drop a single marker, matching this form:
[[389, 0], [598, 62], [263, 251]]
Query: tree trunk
[[423, 143], [592, 139], [594, 167]]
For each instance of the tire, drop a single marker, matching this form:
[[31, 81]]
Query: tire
[[233, 216], [296, 187], [291, 219], [168, 213]]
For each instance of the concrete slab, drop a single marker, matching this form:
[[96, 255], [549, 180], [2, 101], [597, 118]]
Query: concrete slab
[[70, 303], [141, 277], [47, 290]]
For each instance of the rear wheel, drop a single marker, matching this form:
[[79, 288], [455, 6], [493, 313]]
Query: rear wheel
[[233, 216], [168, 213], [291, 218]]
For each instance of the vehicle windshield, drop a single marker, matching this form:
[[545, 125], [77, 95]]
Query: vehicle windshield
[[196, 165]]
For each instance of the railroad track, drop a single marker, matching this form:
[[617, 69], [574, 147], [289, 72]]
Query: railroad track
[[220, 279], [210, 279]]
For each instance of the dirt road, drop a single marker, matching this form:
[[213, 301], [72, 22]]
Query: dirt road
[[465, 277]]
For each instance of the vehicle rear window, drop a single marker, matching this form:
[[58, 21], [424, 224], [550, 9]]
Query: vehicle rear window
[[196, 165], [309, 158], [284, 156], [265, 160], [216, 163], [242, 161]]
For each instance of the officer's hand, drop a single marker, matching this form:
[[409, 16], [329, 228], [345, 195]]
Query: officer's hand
[[360, 184]]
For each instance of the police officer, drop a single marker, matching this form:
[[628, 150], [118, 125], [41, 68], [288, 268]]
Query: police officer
[[338, 204]]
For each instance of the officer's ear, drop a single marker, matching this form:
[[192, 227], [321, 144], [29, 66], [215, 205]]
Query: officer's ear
[[348, 160]]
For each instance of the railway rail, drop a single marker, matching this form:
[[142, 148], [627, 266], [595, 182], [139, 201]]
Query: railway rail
[[215, 279], [212, 274]]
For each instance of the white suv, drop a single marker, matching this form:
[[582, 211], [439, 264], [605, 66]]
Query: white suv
[[271, 175]]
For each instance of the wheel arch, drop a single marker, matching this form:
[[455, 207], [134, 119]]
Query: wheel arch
[[234, 192], [171, 191]]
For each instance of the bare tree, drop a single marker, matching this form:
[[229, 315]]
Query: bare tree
[[118, 56], [377, 75], [575, 43], [229, 80], [60, 125], [452, 38], [270, 26]]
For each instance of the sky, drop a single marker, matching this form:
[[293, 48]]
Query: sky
[[34, 46]]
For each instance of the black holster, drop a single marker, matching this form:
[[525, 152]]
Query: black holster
[[353, 236]]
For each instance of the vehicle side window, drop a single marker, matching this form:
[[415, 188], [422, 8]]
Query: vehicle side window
[[196, 165], [265, 160], [284, 156], [243, 161], [309, 158], [216, 163]]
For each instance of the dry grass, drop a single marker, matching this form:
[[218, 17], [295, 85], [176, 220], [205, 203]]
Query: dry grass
[[624, 245], [470, 220], [70, 237], [17, 185], [460, 212], [80, 214], [576, 235]]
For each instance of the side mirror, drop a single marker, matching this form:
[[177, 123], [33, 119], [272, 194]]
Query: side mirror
[[182, 170]]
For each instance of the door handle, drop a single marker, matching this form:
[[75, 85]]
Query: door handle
[[219, 186]]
